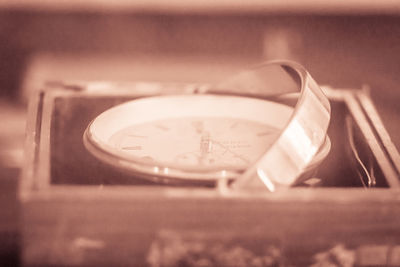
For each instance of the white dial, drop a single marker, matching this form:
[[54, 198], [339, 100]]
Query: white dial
[[192, 136], [186, 136], [229, 143]]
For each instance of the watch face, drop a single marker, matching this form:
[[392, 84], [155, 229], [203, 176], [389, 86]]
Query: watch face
[[200, 137], [196, 136], [196, 142]]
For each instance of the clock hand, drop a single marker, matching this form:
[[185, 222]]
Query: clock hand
[[205, 146], [230, 151]]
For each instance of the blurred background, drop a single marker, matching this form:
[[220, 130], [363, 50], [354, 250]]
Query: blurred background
[[345, 44]]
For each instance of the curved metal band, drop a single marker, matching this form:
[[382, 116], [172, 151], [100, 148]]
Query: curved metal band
[[305, 132]]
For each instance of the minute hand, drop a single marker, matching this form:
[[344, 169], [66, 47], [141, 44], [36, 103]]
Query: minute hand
[[231, 151]]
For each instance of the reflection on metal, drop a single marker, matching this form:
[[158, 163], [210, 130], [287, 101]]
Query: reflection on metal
[[302, 138], [366, 174], [377, 139], [267, 181]]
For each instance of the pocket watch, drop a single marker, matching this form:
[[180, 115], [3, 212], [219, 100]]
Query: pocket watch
[[241, 129]]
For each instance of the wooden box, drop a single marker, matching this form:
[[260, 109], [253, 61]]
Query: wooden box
[[79, 212]]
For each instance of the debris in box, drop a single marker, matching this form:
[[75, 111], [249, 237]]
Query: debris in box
[[171, 249], [338, 256]]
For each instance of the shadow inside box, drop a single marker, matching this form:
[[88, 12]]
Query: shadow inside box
[[71, 163]]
